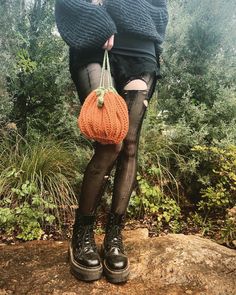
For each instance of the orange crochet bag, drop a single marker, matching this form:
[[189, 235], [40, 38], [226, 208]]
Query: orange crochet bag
[[104, 114]]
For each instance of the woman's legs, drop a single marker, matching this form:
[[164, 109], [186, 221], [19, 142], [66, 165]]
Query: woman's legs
[[84, 259], [136, 92]]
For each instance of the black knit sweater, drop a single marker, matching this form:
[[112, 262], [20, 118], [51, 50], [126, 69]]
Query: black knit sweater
[[85, 26]]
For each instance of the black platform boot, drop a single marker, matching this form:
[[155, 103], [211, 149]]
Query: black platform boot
[[84, 259], [116, 263]]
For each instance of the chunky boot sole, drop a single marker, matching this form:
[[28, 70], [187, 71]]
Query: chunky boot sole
[[116, 277], [82, 272]]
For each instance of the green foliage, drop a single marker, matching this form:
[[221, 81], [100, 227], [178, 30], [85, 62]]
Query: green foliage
[[217, 175], [201, 224], [228, 230], [214, 198], [198, 93], [150, 199], [48, 167], [27, 215], [6, 103], [196, 100], [34, 63], [197, 46]]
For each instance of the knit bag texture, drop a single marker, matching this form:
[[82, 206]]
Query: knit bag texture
[[104, 114]]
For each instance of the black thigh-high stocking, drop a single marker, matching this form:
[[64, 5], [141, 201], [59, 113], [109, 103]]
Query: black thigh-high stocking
[[99, 167], [127, 161]]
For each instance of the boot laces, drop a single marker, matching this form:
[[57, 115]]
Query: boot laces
[[114, 238], [85, 238]]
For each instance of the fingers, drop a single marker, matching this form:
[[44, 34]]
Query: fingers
[[109, 43], [105, 45]]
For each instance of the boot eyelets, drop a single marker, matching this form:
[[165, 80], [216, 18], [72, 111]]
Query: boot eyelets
[[85, 262], [116, 263]]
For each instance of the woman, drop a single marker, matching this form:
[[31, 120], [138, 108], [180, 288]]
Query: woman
[[133, 32]]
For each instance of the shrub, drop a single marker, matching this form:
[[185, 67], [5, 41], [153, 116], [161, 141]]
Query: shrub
[[150, 199], [41, 174], [28, 214], [36, 93], [228, 230], [217, 175]]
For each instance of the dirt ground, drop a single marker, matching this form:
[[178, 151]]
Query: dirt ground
[[41, 267]]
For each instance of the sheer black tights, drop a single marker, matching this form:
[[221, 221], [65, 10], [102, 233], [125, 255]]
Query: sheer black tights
[[105, 156]]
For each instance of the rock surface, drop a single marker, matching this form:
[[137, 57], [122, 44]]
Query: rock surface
[[168, 265]]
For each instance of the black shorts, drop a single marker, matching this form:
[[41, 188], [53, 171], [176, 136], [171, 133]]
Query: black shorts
[[123, 68]]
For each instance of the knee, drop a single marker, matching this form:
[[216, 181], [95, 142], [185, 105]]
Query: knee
[[136, 84], [116, 149], [107, 154], [129, 148]]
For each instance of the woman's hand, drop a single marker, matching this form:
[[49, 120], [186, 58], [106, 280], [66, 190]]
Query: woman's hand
[[109, 44]]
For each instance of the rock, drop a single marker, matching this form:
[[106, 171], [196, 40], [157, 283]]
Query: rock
[[134, 235], [168, 265], [185, 261]]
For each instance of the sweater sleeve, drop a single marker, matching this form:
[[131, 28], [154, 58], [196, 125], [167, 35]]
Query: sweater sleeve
[[159, 13], [145, 18], [83, 25]]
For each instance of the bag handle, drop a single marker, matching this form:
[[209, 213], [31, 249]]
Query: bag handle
[[103, 88], [106, 71]]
